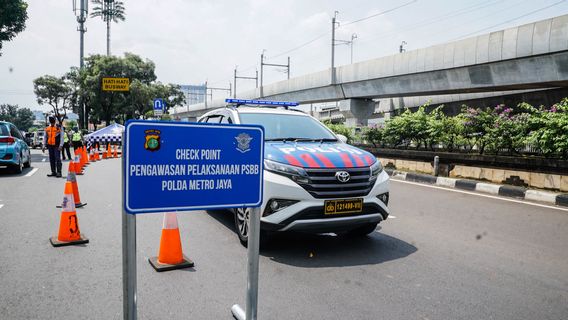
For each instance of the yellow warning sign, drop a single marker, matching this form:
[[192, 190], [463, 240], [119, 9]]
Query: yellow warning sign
[[116, 84]]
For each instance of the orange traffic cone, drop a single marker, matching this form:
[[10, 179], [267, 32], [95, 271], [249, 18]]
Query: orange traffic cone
[[83, 160], [78, 167], [115, 152], [170, 256], [109, 154], [84, 153], [72, 179], [71, 167], [69, 233]]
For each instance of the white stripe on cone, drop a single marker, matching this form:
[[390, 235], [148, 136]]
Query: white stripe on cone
[[170, 221]]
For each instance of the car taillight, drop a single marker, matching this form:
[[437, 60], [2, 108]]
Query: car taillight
[[8, 140]]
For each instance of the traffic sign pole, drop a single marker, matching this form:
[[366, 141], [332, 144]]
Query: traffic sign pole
[[128, 255], [252, 270]]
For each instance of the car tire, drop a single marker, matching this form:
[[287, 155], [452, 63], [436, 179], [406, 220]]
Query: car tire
[[363, 230], [19, 167], [242, 227], [28, 163]]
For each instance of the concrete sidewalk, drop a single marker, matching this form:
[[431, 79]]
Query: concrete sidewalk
[[559, 199]]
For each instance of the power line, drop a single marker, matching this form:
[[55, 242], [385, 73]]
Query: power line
[[380, 13], [511, 20], [437, 19], [345, 24]]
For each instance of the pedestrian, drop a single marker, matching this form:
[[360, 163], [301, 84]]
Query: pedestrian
[[76, 139], [52, 139], [66, 145]]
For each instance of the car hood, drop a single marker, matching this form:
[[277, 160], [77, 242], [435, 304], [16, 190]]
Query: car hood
[[318, 155]]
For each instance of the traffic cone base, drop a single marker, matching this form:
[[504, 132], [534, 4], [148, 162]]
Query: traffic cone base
[[185, 263], [56, 243]]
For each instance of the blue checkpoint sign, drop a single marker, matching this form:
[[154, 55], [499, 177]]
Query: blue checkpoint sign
[[176, 166]]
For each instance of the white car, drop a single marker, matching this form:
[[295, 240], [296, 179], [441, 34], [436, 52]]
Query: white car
[[313, 181]]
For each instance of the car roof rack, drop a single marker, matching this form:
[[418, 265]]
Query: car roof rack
[[263, 103]]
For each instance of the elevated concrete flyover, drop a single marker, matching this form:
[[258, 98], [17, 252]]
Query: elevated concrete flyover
[[530, 56]]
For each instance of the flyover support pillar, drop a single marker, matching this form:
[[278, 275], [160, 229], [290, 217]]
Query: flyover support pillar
[[357, 111]]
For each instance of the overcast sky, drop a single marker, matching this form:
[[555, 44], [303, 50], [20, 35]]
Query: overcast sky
[[192, 41]]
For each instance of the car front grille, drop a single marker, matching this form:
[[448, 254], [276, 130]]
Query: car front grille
[[324, 185]]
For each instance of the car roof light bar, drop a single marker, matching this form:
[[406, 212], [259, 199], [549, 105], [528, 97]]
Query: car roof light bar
[[285, 104]]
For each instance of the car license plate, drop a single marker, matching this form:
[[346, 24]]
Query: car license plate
[[343, 206]]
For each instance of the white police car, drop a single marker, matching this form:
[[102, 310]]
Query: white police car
[[313, 181]]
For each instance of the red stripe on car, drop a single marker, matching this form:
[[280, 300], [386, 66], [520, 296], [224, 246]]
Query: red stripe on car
[[358, 160], [293, 161], [346, 160], [326, 162], [369, 160], [309, 160]]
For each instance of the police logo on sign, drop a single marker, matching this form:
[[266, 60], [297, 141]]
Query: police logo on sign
[[152, 140], [243, 141]]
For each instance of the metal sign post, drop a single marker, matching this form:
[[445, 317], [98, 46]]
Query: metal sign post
[[252, 270], [168, 167], [128, 256]]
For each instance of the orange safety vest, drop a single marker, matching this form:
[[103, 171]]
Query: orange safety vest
[[53, 135]]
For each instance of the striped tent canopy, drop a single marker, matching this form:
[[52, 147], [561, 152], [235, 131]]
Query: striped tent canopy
[[110, 134]]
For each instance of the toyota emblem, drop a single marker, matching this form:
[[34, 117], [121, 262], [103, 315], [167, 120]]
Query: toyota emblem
[[342, 176]]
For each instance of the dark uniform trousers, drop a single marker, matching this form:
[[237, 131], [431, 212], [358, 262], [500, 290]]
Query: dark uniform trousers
[[54, 159]]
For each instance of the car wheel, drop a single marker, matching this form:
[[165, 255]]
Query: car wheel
[[19, 167], [363, 230], [242, 224], [242, 216], [28, 163]]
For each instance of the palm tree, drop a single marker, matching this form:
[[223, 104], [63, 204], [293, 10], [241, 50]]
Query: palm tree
[[108, 10]]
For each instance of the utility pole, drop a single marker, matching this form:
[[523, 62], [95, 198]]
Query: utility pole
[[333, 22], [240, 77], [81, 18], [262, 64], [401, 48], [353, 37]]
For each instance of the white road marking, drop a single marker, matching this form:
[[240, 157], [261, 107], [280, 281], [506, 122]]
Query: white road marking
[[1, 205], [43, 160], [483, 195], [391, 216], [31, 173]]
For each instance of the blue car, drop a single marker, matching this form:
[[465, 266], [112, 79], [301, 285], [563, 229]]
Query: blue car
[[14, 151]]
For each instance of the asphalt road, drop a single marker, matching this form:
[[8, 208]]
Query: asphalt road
[[446, 255]]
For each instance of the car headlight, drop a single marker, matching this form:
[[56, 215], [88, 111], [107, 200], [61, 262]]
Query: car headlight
[[297, 174], [376, 168]]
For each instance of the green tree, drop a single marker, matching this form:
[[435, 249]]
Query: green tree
[[23, 118], [111, 105], [109, 11], [13, 16], [56, 92]]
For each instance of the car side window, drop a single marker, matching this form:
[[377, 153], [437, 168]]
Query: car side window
[[214, 119], [14, 132], [225, 119]]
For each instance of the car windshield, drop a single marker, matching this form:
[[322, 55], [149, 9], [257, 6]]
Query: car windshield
[[288, 126], [4, 130]]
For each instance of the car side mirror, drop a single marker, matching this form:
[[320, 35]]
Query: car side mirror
[[342, 138]]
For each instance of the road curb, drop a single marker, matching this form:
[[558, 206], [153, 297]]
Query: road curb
[[560, 199]]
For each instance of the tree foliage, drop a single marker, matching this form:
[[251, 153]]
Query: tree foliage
[[56, 92], [23, 118], [13, 16]]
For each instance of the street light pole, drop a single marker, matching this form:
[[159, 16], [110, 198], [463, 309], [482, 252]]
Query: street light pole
[[333, 22], [81, 19]]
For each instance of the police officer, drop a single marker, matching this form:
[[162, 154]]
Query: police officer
[[76, 139], [66, 145], [53, 140]]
